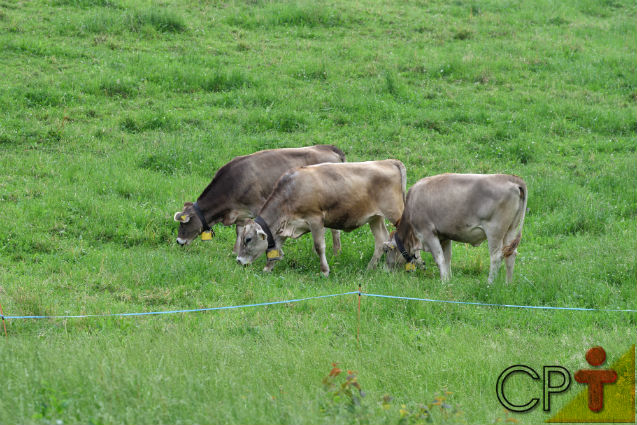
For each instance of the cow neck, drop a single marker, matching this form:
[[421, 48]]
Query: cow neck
[[202, 218], [213, 203], [401, 236], [271, 215], [264, 226]]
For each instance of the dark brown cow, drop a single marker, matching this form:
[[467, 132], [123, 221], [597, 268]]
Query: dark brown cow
[[338, 196], [466, 208], [240, 188]]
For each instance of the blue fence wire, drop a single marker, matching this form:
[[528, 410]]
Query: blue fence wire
[[149, 313], [537, 307]]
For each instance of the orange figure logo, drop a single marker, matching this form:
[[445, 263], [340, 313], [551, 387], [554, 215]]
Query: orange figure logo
[[596, 378]]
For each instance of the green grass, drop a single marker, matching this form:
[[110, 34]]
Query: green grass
[[113, 113]]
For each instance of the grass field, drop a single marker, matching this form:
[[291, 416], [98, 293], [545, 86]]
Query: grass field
[[115, 112]]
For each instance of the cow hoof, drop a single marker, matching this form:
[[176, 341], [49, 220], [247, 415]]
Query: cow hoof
[[325, 273]]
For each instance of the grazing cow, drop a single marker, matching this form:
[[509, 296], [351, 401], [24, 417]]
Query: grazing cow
[[465, 208], [338, 196], [239, 189]]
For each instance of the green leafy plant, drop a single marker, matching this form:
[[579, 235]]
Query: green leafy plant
[[345, 397], [342, 392]]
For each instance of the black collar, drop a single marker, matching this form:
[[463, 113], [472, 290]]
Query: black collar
[[261, 222], [204, 223], [401, 248]]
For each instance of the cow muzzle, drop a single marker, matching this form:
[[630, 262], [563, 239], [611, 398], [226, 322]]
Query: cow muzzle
[[183, 242], [243, 261]]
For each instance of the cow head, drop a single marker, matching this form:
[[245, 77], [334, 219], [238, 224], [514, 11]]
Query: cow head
[[254, 242], [189, 224], [393, 257]]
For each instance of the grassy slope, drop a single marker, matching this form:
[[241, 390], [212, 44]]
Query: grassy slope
[[116, 112]]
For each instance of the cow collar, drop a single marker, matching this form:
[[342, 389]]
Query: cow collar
[[261, 222], [204, 223], [399, 244]]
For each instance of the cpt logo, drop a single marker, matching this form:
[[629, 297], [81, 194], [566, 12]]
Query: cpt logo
[[599, 386], [596, 379]]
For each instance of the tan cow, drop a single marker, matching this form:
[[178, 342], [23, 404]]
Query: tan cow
[[338, 196], [465, 208], [240, 188]]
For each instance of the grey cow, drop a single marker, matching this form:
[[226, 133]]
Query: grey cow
[[465, 208], [239, 189]]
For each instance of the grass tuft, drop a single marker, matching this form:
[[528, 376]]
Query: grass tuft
[[463, 34], [42, 97], [286, 122], [118, 87], [86, 3], [162, 20], [106, 21], [289, 14]]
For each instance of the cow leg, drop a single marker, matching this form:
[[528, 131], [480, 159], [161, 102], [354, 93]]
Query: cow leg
[[510, 264], [495, 252], [418, 260], [318, 235], [446, 253], [509, 260], [237, 244], [435, 247], [269, 265], [381, 235], [336, 241]]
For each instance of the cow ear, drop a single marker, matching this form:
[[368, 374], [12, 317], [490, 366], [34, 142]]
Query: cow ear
[[261, 234], [389, 245], [182, 217]]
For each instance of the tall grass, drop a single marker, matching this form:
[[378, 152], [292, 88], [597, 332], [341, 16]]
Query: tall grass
[[115, 113], [111, 21]]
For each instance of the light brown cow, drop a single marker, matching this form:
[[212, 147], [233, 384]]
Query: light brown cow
[[465, 208], [338, 196], [240, 188]]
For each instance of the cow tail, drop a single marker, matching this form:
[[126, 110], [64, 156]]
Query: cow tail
[[403, 177], [518, 221]]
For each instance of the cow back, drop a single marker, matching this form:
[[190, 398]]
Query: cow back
[[345, 195], [245, 182]]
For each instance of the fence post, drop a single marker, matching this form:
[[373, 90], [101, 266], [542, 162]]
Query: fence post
[[3, 322], [358, 315]]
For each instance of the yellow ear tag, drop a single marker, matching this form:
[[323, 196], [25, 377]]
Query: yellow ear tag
[[206, 236], [410, 267], [274, 253]]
